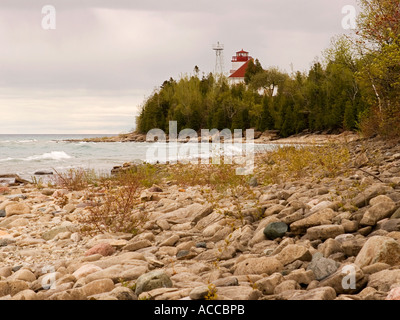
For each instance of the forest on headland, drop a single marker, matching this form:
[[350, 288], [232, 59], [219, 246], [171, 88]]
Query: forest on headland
[[354, 86]]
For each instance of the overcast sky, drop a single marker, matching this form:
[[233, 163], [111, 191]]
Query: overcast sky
[[92, 73]]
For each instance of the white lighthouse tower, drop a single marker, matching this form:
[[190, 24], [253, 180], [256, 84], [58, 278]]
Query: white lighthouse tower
[[239, 66]]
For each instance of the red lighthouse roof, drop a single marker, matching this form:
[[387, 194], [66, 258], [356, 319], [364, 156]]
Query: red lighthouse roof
[[239, 73]]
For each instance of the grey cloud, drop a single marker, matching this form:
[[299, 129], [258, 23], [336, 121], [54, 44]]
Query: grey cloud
[[113, 47]]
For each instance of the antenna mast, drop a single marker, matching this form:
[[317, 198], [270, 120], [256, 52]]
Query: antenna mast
[[219, 62]]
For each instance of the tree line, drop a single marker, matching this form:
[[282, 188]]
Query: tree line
[[355, 86]]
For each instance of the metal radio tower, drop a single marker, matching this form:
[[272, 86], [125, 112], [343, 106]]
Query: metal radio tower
[[219, 62]]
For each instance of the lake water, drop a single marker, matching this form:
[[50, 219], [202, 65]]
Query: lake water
[[26, 154]]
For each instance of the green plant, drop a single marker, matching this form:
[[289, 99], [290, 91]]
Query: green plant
[[37, 182], [127, 284], [212, 292]]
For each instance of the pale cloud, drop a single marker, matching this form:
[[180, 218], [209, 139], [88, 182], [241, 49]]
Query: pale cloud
[[58, 112], [94, 71]]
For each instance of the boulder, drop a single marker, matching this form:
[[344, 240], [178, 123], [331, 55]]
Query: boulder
[[301, 276], [17, 209], [330, 247], [394, 294], [85, 270], [381, 209], [105, 249], [43, 173], [322, 217], [97, 287], [352, 247], [268, 265], [52, 233], [193, 213], [324, 232], [134, 244], [123, 293], [25, 275], [199, 293], [286, 285], [322, 267], [275, 230], [324, 293], [267, 285], [273, 210], [379, 249], [385, 280], [239, 293], [363, 198], [321, 206], [152, 280], [347, 279], [293, 252], [25, 295]]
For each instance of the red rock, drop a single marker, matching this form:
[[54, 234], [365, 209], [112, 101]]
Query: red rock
[[104, 249], [4, 190], [394, 294]]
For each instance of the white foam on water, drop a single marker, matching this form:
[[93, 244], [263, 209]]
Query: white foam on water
[[53, 155], [26, 141]]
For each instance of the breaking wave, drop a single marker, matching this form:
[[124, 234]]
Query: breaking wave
[[54, 155]]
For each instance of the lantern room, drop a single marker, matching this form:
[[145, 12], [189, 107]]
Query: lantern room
[[241, 56]]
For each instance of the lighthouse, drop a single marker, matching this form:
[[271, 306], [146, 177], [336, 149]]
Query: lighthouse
[[239, 66]]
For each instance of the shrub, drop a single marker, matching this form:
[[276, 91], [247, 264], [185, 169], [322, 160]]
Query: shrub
[[116, 208], [76, 179]]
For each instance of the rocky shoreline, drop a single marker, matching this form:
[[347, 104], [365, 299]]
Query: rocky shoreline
[[309, 239], [267, 137]]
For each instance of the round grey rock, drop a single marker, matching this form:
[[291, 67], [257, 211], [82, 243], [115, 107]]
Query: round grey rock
[[322, 267], [182, 254], [253, 182], [152, 280], [275, 230], [201, 245]]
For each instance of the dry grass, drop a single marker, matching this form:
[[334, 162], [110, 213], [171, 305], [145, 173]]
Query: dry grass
[[291, 163], [217, 177], [75, 179]]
